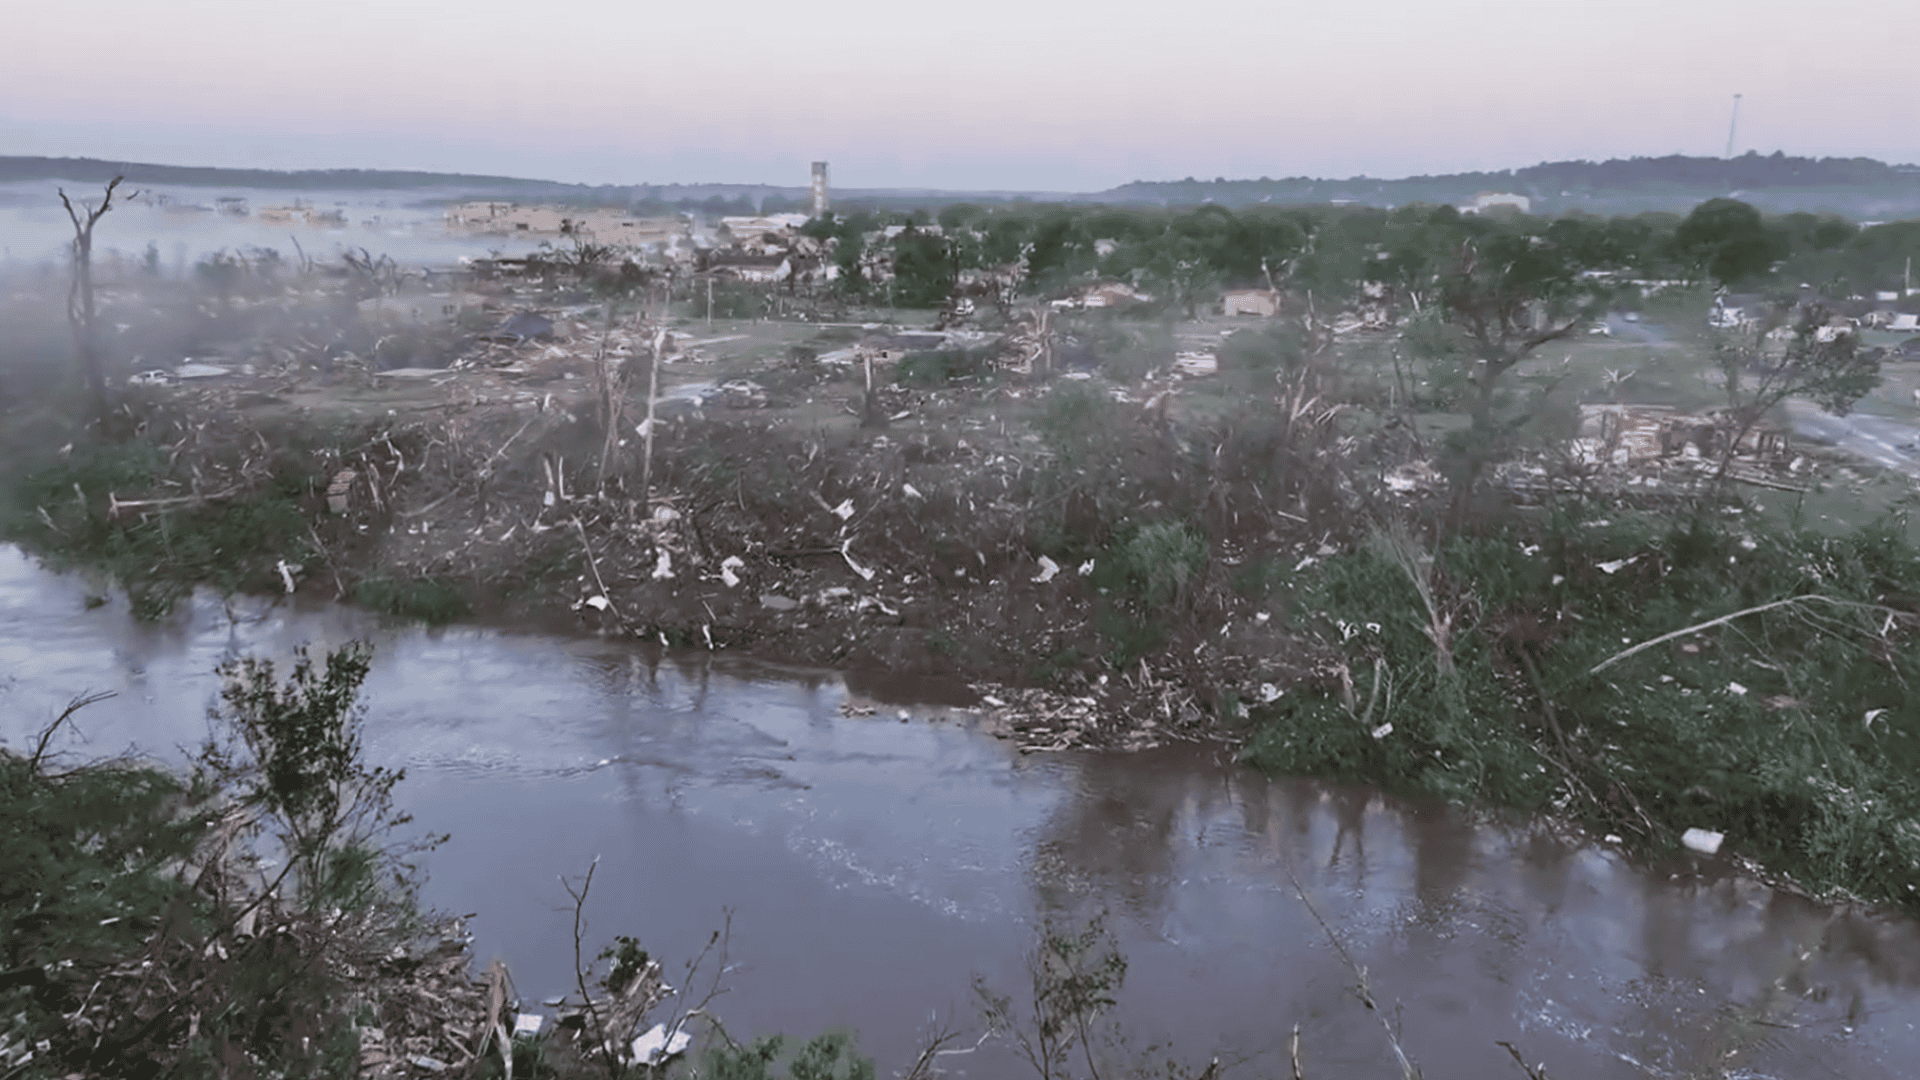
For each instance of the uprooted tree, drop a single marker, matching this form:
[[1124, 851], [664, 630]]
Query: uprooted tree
[[81, 310]]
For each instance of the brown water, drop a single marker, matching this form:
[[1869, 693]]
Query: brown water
[[873, 866]]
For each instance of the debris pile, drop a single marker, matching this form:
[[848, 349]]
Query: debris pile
[[1136, 711]]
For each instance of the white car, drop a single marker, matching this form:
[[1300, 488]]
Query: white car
[[156, 377]]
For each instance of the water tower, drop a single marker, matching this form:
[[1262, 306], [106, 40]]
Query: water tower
[[820, 194]]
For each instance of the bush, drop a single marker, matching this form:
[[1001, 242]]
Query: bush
[[430, 600]]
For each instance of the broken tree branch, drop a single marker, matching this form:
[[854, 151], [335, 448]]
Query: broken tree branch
[[1710, 623]]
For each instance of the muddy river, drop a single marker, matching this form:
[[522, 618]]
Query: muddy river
[[874, 865]]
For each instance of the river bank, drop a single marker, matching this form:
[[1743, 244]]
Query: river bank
[[1092, 572], [843, 842]]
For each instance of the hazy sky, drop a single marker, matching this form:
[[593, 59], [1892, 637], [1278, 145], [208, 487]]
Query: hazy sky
[[1010, 94]]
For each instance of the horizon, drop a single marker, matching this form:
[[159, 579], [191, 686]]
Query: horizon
[[1014, 97], [1509, 170]]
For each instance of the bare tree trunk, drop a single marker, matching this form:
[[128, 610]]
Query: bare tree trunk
[[81, 311], [653, 397]]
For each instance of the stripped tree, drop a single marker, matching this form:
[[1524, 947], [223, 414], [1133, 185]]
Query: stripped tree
[[81, 312]]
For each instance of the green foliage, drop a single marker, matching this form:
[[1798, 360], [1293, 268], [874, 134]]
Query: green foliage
[[1274, 347], [629, 963], [833, 1055], [140, 939], [1259, 578], [1076, 975], [1162, 562], [292, 751], [923, 269], [940, 367], [1147, 582], [1081, 425], [431, 600], [1725, 239], [1753, 727], [59, 507]]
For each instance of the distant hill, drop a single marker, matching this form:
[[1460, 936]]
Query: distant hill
[[1676, 182], [1856, 187], [91, 170]]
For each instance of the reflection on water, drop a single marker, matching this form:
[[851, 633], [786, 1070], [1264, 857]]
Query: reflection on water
[[873, 866]]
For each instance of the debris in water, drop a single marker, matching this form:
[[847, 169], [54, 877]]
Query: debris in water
[[527, 1024], [287, 570], [1704, 841]]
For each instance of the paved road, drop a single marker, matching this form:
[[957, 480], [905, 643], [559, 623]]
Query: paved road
[[1637, 332], [1890, 444]]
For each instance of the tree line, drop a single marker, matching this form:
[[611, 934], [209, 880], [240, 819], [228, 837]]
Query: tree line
[[1181, 257]]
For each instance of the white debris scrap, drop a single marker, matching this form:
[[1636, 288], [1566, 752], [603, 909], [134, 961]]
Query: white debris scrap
[[598, 603], [727, 568], [1048, 568], [527, 1024], [1086, 568], [1704, 841], [1616, 565], [1382, 731], [663, 565], [1736, 689], [844, 510], [912, 492], [657, 1045], [865, 572]]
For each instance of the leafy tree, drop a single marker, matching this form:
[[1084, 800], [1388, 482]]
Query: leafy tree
[[923, 269], [1076, 975], [1815, 360], [1725, 239], [1508, 292], [295, 753], [1059, 252]]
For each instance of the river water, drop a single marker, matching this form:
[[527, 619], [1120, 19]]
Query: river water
[[874, 867]]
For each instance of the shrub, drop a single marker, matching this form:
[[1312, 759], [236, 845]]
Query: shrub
[[1752, 727], [430, 600]]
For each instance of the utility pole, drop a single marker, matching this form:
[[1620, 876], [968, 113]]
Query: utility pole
[[1733, 124]]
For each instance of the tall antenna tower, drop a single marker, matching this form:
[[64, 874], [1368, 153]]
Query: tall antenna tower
[[822, 194], [1733, 125]]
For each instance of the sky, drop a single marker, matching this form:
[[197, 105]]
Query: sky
[[1039, 95]]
